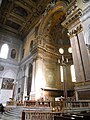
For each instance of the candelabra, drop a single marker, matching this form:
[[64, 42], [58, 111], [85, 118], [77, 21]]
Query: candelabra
[[64, 62]]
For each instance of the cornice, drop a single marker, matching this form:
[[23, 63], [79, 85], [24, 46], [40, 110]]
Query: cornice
[[72, 17]]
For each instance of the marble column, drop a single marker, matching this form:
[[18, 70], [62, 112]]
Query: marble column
[[37, 78], [80, 56], [79, 51], [84, 54], [32, 94], [25, 82], [77, 59]]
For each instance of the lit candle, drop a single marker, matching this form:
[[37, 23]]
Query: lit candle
[[62, 58], [58, 60], [67, 60]]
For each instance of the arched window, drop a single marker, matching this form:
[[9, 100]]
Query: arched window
[[61, 72], [73, 73], [4, 51], [31, 45], [23, 51]]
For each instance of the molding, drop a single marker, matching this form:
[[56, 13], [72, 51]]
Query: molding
[[72, 17], [86, 14], [8, 62]]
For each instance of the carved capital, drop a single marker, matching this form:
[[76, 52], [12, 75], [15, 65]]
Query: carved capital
[[72, 33], [79, 28], [75, 31]]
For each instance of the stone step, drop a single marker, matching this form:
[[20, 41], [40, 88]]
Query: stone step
[[13, 114]]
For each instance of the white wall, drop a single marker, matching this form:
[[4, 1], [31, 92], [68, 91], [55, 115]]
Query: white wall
[[5, 95]]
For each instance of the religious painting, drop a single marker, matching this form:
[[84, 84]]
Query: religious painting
[[13, 53], [7, 83]]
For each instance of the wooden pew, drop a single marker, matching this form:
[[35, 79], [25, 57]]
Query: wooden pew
[[63, 118]]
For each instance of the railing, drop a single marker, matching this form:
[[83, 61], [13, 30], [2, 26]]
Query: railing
[[77, 106], [31, 103], [38, 115]]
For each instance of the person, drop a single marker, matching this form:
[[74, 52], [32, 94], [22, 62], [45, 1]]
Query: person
[[1, 108]]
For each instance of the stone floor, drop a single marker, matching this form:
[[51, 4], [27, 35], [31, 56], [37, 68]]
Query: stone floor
[[2, 117]]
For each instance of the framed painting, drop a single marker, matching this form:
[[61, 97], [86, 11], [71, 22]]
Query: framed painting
[[7, 83]]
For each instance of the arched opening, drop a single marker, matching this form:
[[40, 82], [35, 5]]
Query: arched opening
[[55, 37], [29, 82]]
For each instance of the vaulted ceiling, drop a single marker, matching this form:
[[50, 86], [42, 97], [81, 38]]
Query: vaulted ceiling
[[19, 16]]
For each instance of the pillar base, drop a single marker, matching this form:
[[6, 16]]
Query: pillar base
[[32, 96], [83, 90]]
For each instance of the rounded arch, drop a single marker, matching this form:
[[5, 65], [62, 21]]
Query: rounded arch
[[59, 7], [9, 74]]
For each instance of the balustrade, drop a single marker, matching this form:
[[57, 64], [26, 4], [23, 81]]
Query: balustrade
[[38, 115], [76, 104]]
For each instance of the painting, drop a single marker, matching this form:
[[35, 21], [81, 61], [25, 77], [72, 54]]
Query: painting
[[13, 53], [7, 83]]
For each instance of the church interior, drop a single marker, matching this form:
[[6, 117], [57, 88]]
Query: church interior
[[45, 58]]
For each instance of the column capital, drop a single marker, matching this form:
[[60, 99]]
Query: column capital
[[75, 31], [37, 58]]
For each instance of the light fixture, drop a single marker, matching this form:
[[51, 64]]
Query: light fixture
[[61, 50], [70, 50]]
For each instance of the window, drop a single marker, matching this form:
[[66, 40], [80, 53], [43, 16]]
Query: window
[[31, 45], [4, 51], [61, 72], [73, 73], [18, 90], [23, 53]]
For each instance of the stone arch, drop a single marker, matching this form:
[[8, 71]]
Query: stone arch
[[9, 74], [60, 6]]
